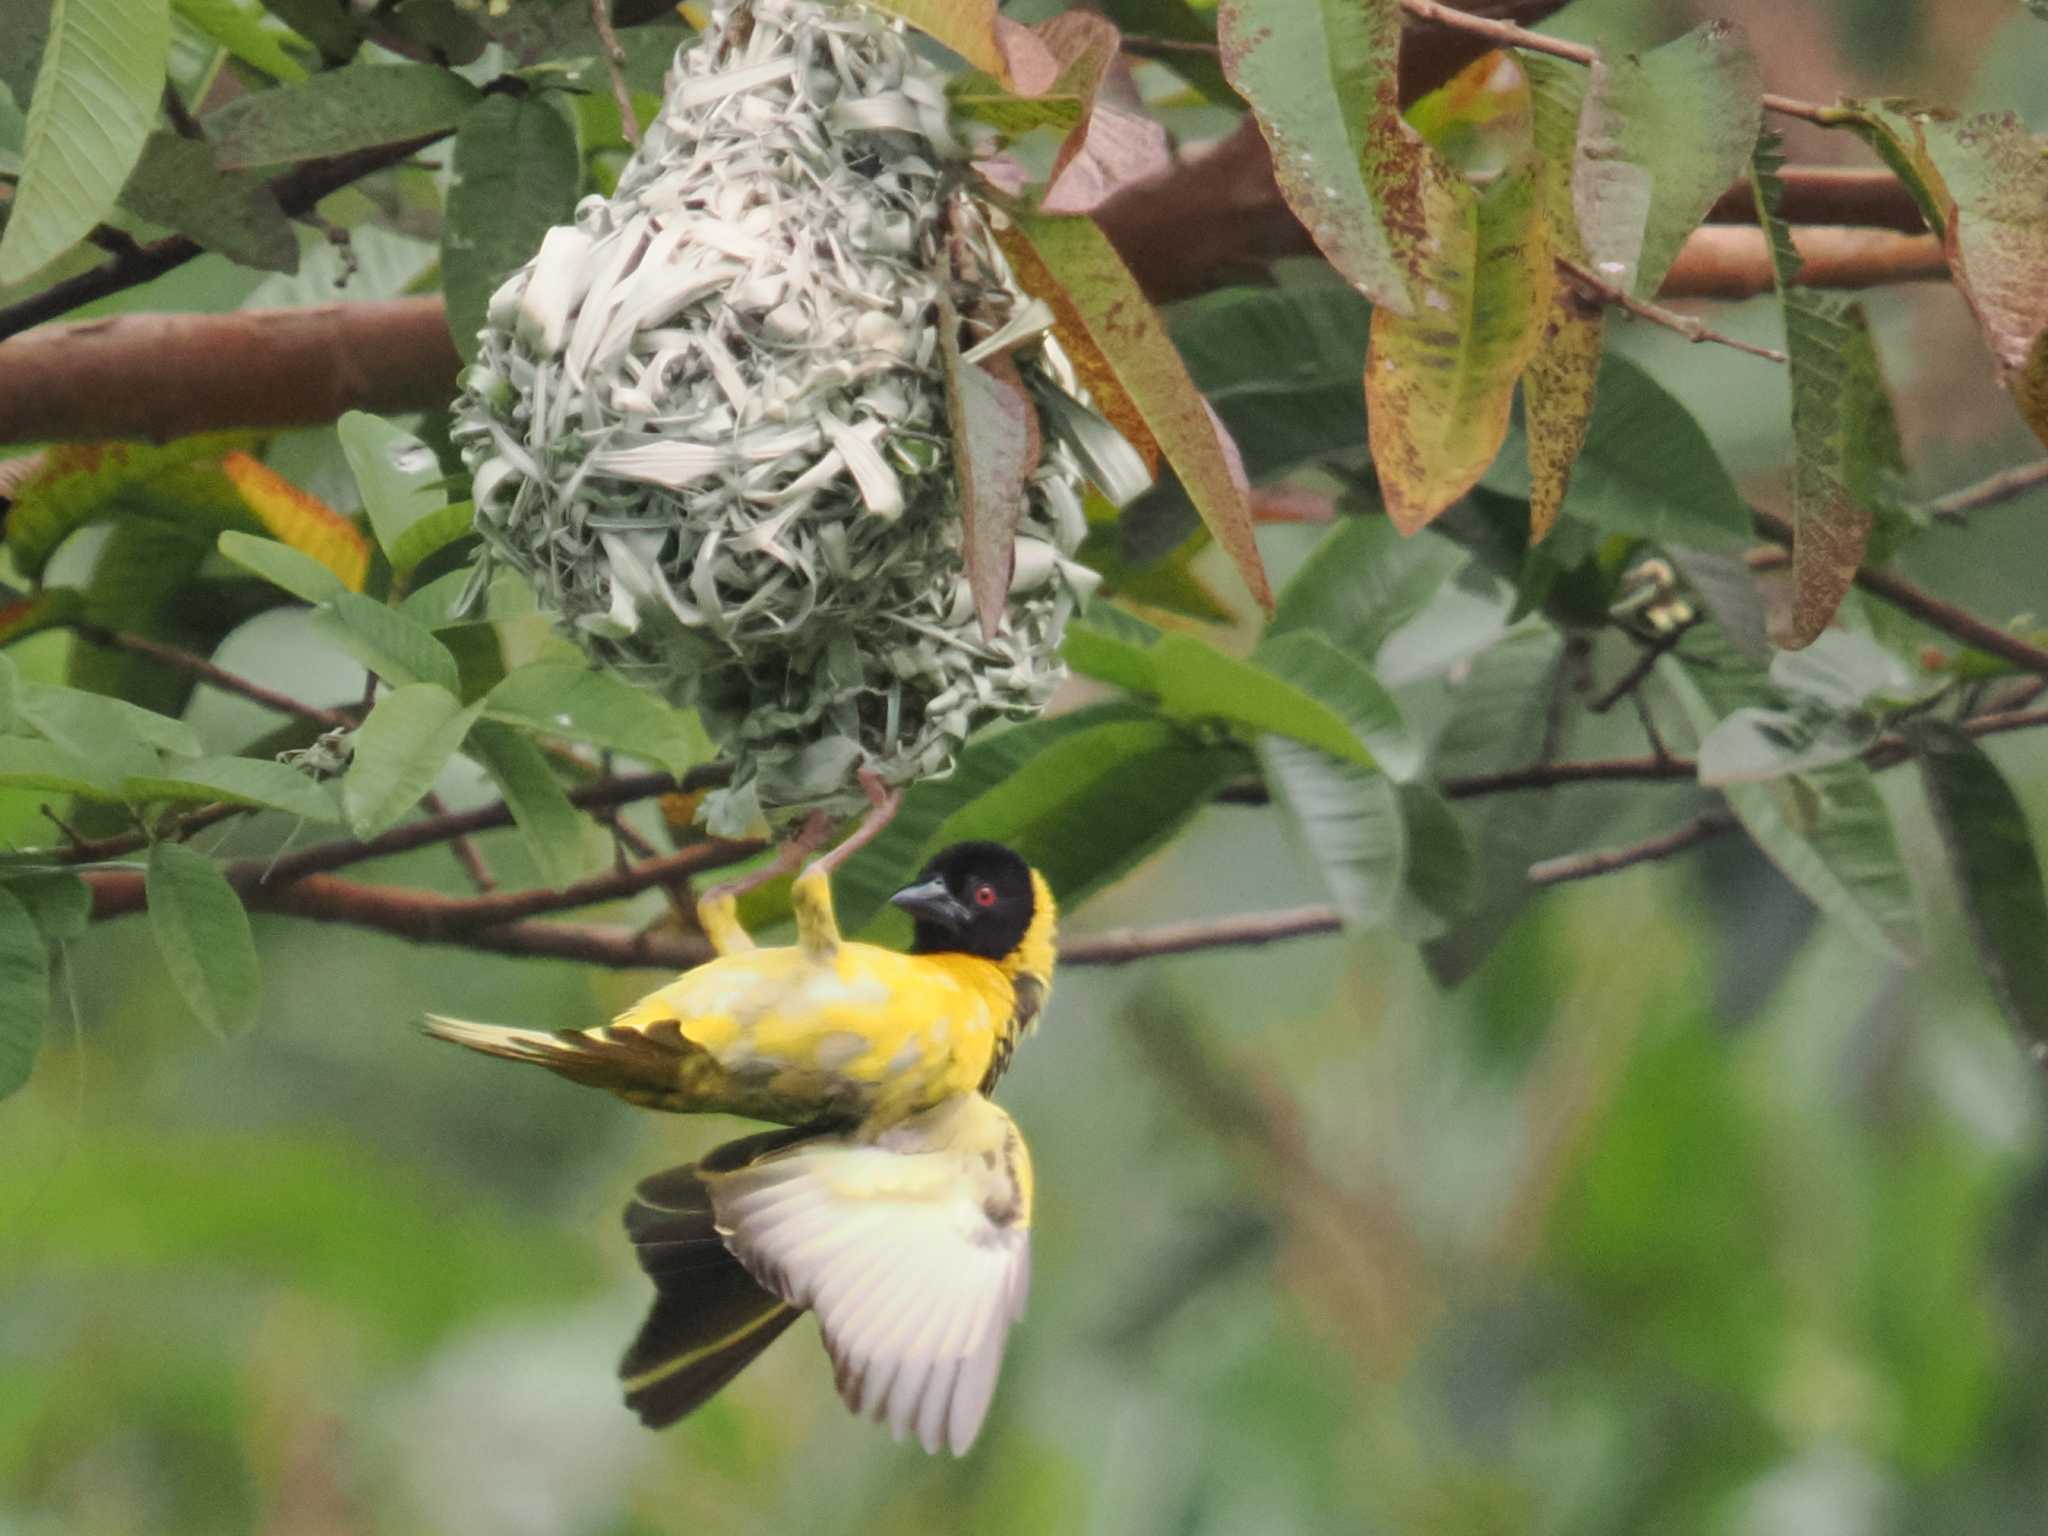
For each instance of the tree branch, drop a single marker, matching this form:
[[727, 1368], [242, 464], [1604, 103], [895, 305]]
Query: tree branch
[[1957, 506], [297, 191], [1584, 866], [166, 375], [1691, 327], [219, 677], [1927, 608], [1216, 219]]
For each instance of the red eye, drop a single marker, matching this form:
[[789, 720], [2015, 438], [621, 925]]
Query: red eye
[[984, 895]]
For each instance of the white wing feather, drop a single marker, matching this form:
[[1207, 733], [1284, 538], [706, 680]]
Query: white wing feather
[[914, 1249]]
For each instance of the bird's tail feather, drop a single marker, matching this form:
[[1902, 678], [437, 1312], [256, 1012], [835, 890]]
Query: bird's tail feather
[[622, 1060], [710, 1319]]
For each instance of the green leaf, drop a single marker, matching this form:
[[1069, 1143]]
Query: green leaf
[[565, 699], [1350, 822], [96, 96], [176, 184], [282, 566], [1440, 384], [1320, 77], [24, 992], [1647, 469], [1363, 582], [26, 764], [358, 107], [238, 781], [1442, 877], [239, 28], [516, 174], [553, 828], [336, 30], [1312, 664], [1071, 264], [203, 935], [1997, 870], [59, 901], [397, 648], [1827, 829], [430, 535], [1843, 436], [111, 734], [1660, 138], [1282, 368], [1836, 691], [397, 474], [1194, 681], [399, 753], [1092, 804], [988, 761], [1754, 744]]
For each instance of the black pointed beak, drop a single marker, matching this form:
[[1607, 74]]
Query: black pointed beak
[[933, 903]]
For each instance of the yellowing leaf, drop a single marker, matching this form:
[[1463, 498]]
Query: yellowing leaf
[[1439, 384], [1103, 299], [993, 44], [300, 519], [77, 483]]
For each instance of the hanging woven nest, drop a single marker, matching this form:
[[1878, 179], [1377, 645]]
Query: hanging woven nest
[[709, 420]]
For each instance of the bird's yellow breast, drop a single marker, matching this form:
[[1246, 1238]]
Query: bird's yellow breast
[[776, 1034]]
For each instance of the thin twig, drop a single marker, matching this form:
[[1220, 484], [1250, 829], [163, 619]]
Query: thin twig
[[218, 676], [1632, 679], [1585, 771], [1506, 33], [1691, 327], [1956, 506], [296, 191], [1791, 106], [1584, 866], [466, 852], [1927, 608], [615, 63]]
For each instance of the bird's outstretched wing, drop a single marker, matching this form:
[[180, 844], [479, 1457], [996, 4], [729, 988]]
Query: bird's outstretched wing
[[913, 1247]]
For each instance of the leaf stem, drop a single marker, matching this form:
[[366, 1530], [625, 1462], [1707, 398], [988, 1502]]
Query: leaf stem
[[1691, 327]]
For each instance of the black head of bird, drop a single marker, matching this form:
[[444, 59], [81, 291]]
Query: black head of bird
[[972, 898]]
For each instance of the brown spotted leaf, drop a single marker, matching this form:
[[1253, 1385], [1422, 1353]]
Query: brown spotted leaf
[[1322, 81], [1439, 384], [1995, 175], [995, 448], [1092, 290], [1559, 387], [1845, 440]]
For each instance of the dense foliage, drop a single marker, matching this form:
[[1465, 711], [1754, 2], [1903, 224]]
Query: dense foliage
[[1702, 1197]]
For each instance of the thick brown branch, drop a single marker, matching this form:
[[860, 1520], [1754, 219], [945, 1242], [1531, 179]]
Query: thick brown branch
[[1725, 262], [1827, 194], [163, 376], [1929, 609]]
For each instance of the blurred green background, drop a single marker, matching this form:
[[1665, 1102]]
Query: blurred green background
[[1683, 1214]]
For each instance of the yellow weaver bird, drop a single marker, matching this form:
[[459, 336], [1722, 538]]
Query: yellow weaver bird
[[897, 1204]]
